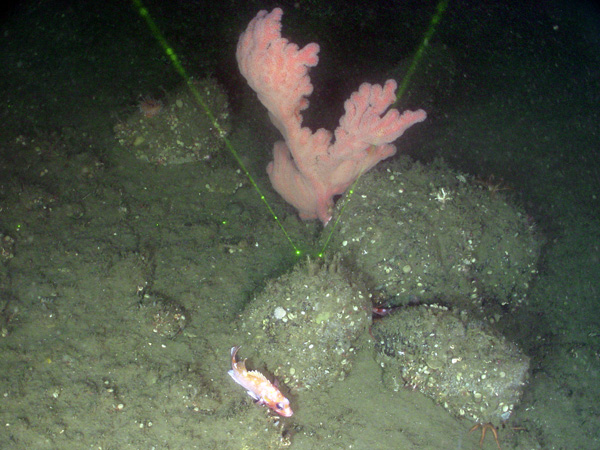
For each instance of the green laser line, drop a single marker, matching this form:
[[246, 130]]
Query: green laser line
[[349, 194], [441, 7], [439, 11], [143, 12]]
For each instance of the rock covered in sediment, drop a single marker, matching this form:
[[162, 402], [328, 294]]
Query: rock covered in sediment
[[424, 233], [175, 129], [457, 361], [304, 327]]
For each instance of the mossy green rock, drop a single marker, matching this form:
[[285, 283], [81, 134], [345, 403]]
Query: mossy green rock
[[422, 233], [303, 328], [181, 132], [457, 361]]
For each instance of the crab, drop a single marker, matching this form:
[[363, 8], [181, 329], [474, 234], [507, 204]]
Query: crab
[[484, 427], [493, 185]]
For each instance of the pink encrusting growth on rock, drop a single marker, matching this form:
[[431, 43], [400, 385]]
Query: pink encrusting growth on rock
[[308, 169]]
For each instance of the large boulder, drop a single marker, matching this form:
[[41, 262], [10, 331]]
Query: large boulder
[[429, 234], [456, 360], [304, 326], [175, 129]]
